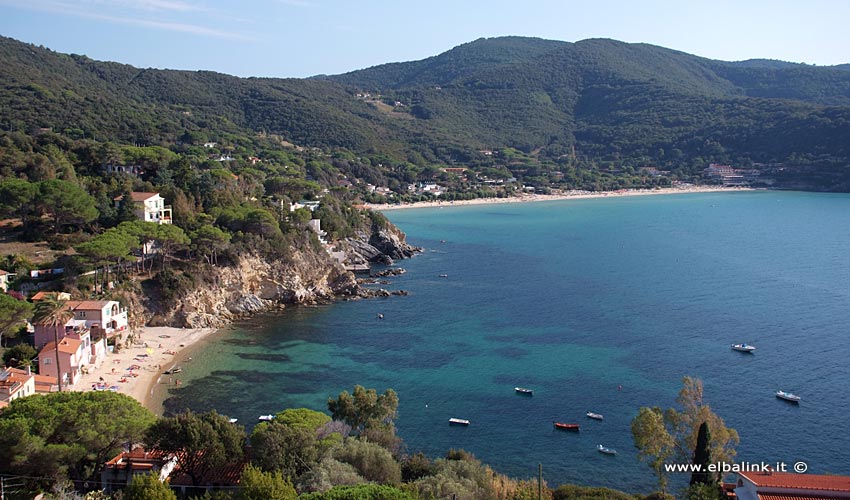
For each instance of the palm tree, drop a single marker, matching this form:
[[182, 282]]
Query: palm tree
[[53, 312]]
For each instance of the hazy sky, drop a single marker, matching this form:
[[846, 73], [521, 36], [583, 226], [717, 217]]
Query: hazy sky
[[298, 38]]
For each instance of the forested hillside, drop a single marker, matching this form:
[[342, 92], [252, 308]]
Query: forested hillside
[[585, 104]]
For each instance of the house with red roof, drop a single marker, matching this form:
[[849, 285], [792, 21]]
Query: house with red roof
[[72, 355], [16, 383], [772, 485], [119, 472]]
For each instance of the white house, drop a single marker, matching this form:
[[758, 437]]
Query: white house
[[149, 207], [4, 280], [105, 315], [16, 383]]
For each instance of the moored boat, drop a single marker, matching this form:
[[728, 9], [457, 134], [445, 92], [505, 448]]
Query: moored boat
[[595, 416], [458, 421], [607, 451], [566, 427], [523, 390], [266, 418], [787, 396], [743, 347]]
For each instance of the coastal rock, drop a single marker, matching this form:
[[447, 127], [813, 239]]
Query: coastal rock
[[394, 271], [252, 284], [383, 244], [391, 242]]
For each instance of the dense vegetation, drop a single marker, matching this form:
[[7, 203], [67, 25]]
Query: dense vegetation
[[583, 115], [58, 444]]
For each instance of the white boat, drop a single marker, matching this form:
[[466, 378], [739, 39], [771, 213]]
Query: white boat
[[523, 390], [607, 451], [595, 416], [266, 418], [234, 420], [787, 396], [458, 421], [743, 347]]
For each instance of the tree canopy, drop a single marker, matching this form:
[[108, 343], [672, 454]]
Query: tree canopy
[[68, 435], [201, 442]]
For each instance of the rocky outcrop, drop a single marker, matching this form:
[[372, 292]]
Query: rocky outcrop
[[310, 274], [383, 244]]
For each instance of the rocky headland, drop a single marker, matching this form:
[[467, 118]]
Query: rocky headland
[[251, 284]]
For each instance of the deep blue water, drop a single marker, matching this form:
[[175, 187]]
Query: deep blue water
[[573, 299]]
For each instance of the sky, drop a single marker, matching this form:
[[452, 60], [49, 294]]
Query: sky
[[300, 38]]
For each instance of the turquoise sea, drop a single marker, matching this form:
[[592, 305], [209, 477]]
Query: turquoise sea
[[576, 299]]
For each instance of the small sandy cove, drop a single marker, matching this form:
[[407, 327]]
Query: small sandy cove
[[138, 370], [563, 195]]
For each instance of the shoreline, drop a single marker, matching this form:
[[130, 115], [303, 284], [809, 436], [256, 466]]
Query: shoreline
[[568, 195], [137, 370]]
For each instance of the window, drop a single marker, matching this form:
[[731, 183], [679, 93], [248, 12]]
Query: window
[[48, 361]]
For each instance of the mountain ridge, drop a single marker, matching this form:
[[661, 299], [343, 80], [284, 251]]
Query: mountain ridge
[[588, 101]]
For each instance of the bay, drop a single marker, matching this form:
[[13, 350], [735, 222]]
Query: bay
[[601, 304]]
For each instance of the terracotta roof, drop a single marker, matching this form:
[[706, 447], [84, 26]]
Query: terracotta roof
[[226, 475], [138, 459], [44, 383], [87, 305], [798, 481], [13, 379], [3, 273], [43, 295], [137, 196], [66, 345], [778, 496]]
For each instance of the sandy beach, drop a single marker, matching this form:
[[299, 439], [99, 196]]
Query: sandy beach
[[565, 195], [137, 371]]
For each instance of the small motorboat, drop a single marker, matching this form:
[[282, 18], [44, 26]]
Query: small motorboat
[[444, 275], [458, 421], [787, 396], [566, 427], [607, 451], [380, 316], [743, 347], [233, 420], [266, 418], [595, 416], [524, 391]]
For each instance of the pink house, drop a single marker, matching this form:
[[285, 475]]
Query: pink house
[[74, 354]]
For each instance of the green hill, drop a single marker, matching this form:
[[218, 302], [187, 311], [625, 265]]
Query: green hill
[[593, 101]]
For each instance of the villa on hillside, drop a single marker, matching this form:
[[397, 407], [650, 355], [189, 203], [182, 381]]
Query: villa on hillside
[[772, 485], [149, 207], [134, 170]]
